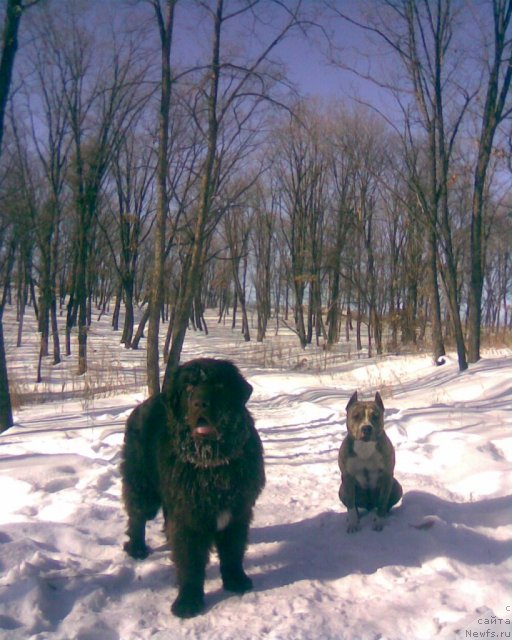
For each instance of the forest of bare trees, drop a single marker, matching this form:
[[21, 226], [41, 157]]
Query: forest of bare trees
[[142, 174]]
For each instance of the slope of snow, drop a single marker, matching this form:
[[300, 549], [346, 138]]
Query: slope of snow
[[441, 564]]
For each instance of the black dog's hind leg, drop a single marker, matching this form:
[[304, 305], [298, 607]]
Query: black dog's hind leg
[[190, 552], [141, 506], [231, 543]]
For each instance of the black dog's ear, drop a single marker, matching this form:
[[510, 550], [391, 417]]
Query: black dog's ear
[[246, 389], [352, 401], [172, 391], [378, 401], [237, 382]]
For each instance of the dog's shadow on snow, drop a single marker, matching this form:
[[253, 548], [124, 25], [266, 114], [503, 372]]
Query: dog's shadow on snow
[[420, 529]]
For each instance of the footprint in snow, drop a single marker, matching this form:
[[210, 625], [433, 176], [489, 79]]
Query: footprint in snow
[[59, 484], [66, 469], [9, 624], [105, 480]]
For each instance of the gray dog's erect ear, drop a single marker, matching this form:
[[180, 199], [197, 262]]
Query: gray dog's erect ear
[[352, 400], [378, 401]]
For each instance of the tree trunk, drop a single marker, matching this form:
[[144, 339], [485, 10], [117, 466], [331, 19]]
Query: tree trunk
[[22, 303], [452, 293], [359, 342], [476, 280], [300, 325], [6, 419], [117, 311], [451, 267], [9, 47], [81, 289], [12, 19], [495, 101], [166, 25], [241, 297], [333, 313], [373, 313], [55, 330], [207, 189], [140, 329], [438, 349], [263, 257], [129, 318]]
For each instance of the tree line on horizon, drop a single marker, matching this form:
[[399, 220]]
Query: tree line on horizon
[[133, 176]]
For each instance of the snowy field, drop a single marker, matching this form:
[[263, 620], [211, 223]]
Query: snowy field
[[440, 568]]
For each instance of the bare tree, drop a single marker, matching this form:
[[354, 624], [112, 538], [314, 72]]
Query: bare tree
[[131, 208], [101, 97], [340, 133], [301, 176], [237, 227], [232, 91], [494, 111], [420, 34], [165, 19], [264, 205], [368, 159], [13, 13], [51, 138], [33, 212], [7, 258]]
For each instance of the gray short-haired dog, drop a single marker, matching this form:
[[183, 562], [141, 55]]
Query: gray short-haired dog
[[367, 460]]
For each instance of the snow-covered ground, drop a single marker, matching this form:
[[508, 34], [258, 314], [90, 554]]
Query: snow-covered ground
[[440, 568]]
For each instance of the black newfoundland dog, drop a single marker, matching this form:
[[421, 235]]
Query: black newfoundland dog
[[194, 451]]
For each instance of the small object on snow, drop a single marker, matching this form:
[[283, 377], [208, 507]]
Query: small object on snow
[[301, 364], [440, 361]]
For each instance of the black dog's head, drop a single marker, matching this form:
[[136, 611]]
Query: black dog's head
[[206, 401], [365, 420]]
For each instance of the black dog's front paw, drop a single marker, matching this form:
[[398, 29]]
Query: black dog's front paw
[[137, 550], [236, 581], [189, 603]]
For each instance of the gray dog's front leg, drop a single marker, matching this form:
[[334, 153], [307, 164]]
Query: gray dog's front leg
[[347, 494]]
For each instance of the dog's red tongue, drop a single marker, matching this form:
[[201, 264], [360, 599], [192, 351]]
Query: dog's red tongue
[[204, 430]]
